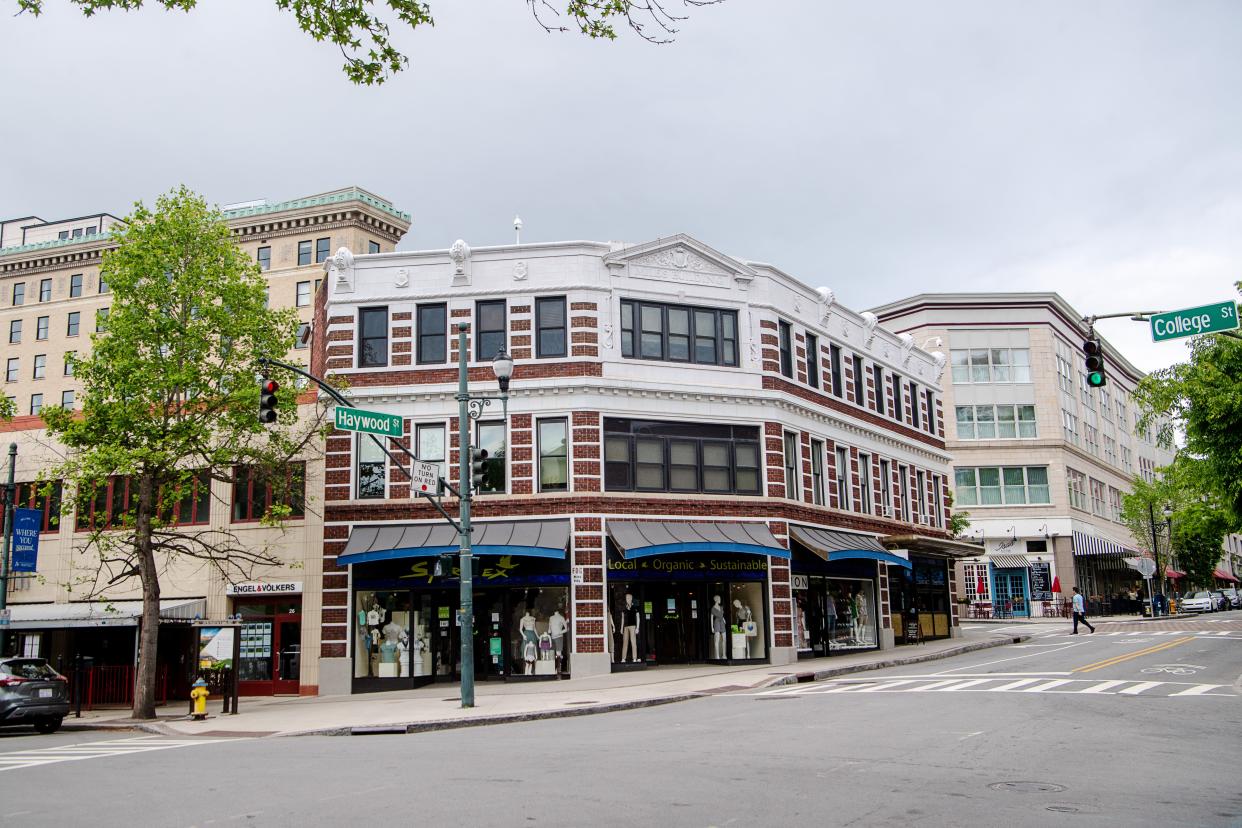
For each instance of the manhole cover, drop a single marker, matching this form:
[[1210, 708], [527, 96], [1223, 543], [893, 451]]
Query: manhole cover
[[1027, 787]]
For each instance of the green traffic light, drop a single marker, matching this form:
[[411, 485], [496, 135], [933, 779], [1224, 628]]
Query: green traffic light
[[1095, 379]]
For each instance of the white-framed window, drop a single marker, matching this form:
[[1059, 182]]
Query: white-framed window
[[553, 454], [864, 483], [792, 487], [842, 471], [30, 644], [1110, 451], [990, 365], [975, 575], [303, 297], [920, 496], [903, 491], [1001, 485], [937, 503], [1069, 425], [1076, 484], [371, 469], [1127, 458], [886, 488], [1099, 505], [817, 472], [995, 422], [1091, 437], [1065, 375], [1114, 503], [429, 445], [1084, 391]]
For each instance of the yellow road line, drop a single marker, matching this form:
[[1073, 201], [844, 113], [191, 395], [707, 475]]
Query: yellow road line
[[1109, 662]]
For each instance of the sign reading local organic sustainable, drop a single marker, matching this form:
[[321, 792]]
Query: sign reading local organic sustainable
[[1222, 316], [26, 526], [372, 422]]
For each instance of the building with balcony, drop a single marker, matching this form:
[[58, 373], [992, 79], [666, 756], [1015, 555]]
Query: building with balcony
[[702, 459]]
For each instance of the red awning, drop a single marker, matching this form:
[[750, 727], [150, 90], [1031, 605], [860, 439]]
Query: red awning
[[1224, 576], [1170, 572]]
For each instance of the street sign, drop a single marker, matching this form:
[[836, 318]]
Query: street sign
[[1222, 316], [1146, 567], [424, 477], [372, 422], [5, 615]]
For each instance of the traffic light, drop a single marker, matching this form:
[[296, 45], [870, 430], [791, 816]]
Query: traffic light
[[478, 458], [1094, 353], [267, 401]]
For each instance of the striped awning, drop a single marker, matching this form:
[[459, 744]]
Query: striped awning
[[1085, 544], [1010, 562], [830, 545], [532, 538], [100, 613], [643, 538]]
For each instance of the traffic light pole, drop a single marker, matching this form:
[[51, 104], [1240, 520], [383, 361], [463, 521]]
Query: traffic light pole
[[10, 498], [465, 455]]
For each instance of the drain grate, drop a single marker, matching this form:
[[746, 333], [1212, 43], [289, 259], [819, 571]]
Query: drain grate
[[567, 704], [775, 698], [1062, 809], [1027, 787]]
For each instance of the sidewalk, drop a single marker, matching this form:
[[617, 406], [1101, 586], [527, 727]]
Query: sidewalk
[[437, 707]]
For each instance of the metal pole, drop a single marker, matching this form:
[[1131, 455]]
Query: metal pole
[[10, 495], [463, 517], [1155, 553]]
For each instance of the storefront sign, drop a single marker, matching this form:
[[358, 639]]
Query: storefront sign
[[25, 550], [215, 647], [800, 581], [1041, 581], [276, 588], [689, 567]]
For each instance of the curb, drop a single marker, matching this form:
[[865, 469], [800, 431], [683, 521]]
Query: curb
[[512, 718]]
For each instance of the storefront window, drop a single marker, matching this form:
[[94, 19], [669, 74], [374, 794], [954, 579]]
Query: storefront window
[[539, 631], [390, 636], [747, 635], [854, 604]]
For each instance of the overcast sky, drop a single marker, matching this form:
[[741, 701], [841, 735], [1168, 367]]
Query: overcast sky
[[881, 149]]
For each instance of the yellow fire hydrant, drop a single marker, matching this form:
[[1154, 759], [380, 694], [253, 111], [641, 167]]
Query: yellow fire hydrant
[[198, 696]]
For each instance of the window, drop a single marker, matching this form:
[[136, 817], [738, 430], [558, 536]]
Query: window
[[937, 515], [322, 249], [930, 422], [44, 497], [103, 284], [19, 294], [550, 340], [12, 369], [1001, 485], [303, 297], [988, 365], [1127, 458], [63, 234], [878, 373], [914, 405], [264, 257], [372, 477], [886, 488], [254, 492], [1114, 504], [903, 491], [977, 583], [15, 331], [66, 399], [302, 339], [834, 362], [643, 455], [69, 357], [843, 477], [990, 422], [792, 484], [40, 366], [920, 492], [899, 406], [1099, 506], [187, 502], [786, 348], [1106, 405], [36, 403], [101, 320], [75, 285], [430, 447], [41, 327], [1076, 482], [491, 438], [432, 333], [45, 290], [489, 329], [553, 455], [864, 483], [373, 247], [1069, 426], [373, 338], [1091, 437], [817, 472], [304, 253], [1110, 451], [812, 360], [77, 232], [860, 382], [75, 323], [657, 331]]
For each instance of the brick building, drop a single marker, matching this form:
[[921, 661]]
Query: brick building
[[703, 460]]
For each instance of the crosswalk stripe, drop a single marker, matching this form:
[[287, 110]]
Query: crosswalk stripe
[[95, 750], [1103, 686], [1015, 684], [1197, 690], [935, 684], [963, 685], [1140, 687], [889, 685], [1048, 685]]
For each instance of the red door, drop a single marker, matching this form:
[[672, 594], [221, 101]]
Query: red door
[[271, 655]]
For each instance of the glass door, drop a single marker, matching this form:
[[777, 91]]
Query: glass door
[[287, 644]]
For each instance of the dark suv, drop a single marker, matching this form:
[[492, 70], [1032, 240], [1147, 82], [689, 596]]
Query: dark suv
[[31, 692]]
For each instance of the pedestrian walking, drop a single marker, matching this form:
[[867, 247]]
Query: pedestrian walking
[[1080, 612]]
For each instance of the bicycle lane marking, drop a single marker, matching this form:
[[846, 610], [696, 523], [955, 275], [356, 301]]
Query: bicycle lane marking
[[1109, 662]]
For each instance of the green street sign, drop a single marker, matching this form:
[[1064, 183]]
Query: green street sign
[[1222, 316], [372, 422]]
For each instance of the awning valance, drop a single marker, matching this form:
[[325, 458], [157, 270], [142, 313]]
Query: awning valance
[[934, 546], [1085, 544], [1174, 574], [1010, 562], [533, 538], [100, 613], [1225, 576], [832, 545], [642, 538]]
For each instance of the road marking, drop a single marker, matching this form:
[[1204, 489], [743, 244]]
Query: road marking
[[1198, 690], [972, 735], [1109, 662], [937, 684], [1039, 688], [95, 750], [1140, 687], [962, 686], [1015, 684], [1104, 686]]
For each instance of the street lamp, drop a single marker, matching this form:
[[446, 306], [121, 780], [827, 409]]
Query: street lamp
[[469, 409]]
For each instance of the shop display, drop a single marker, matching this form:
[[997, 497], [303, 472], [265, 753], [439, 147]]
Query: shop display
[[557, 628], [629, 617], [718, 628]]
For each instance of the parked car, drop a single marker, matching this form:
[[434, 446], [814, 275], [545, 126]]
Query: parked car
[[32, 693], [1201, 601], [1234, 596], [1222, 599]]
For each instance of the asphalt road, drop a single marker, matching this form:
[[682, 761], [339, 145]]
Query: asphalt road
[[1138, 724]]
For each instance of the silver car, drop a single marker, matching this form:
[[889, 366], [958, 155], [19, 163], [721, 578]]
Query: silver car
[[1201, 601]]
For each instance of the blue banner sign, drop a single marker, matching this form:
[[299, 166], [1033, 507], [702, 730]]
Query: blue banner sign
[[26, 526]]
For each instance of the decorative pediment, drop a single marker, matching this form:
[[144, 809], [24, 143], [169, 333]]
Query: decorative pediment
[[683, 260]]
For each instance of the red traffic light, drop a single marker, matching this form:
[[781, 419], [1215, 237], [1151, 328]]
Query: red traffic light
[[270, 386]]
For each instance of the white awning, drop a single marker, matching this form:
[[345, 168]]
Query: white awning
[[100, 613]]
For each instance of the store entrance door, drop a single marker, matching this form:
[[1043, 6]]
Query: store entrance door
[[271, 647], [676, 623]]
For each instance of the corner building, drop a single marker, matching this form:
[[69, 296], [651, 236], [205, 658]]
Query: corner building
[[703, 460]]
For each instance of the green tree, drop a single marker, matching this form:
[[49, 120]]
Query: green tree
[[169, 395], [7, 409], [361, 30], [1199, 531], [1142, 511]]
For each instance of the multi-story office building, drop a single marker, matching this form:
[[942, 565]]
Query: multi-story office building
[[703, 460], [1040, 459], [52, 297]]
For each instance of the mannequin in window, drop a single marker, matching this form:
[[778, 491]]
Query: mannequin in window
[[526, 626], [629, 628], [719, 628], [557, 627], [742, 615], [830, 621]]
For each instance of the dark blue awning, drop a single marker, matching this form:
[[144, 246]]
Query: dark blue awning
[[831, 545], [644, 538], [532, 538]]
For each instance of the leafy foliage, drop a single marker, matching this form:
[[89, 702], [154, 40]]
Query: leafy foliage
[[1198, 532], [362, 33]]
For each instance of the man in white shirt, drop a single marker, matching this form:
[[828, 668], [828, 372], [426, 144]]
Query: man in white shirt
[[1080, 612]]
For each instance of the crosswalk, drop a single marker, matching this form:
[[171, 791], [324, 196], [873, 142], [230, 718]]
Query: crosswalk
[[95, 750], [1235, 635], [1002, 683]]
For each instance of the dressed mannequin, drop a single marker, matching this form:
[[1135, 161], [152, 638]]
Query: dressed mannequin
[[719, 628], [557, 627], [799, 625], [530, 652], [527, 628], [830, 621], [741, 616], [855, 612], [629, 628], [375, 614], [862, 616]]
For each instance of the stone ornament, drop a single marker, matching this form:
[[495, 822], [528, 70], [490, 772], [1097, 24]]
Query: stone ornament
[[519, 272], [826, 300], [907, 346], [870, 320], [340, 270], [939, 358], [460, 254], [403, 277]]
